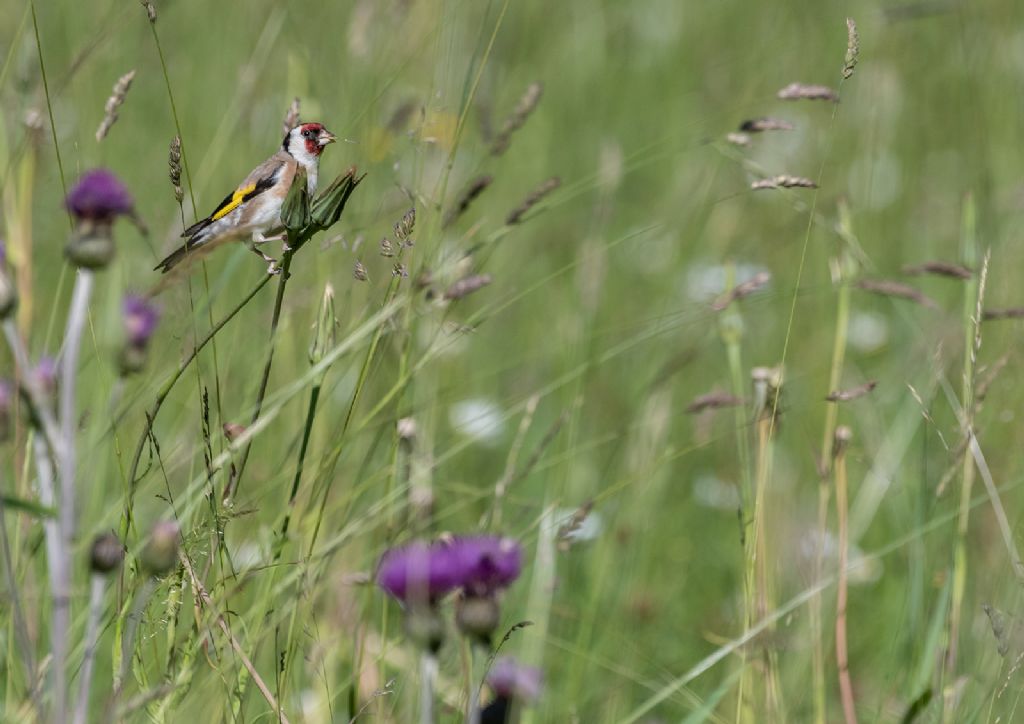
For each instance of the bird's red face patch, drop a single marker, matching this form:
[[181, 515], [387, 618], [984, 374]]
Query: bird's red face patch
[[311, 138]]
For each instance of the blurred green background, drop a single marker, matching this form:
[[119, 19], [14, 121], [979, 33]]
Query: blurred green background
[[599, 307]]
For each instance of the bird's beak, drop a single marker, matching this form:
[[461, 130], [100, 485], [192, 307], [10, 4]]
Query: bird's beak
[[326, 137]]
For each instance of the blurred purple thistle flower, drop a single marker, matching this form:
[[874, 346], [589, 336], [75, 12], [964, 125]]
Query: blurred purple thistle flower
[[513, 680], [487, 563], [419, 572], [140, 319], [99, 195]]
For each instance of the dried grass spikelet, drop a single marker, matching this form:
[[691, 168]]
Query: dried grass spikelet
[[527, 104], [534, 198], [939, 268], [400, 270], [804, 91], [738, 139], [852, 48], [174, 167], [387, 248], [713, 401], [760, 125], [889, 288], [784, 181], [745, 289], [475, 187], [113, 103], [291, 118], [851, 394], [404, 228], [359, 272], [467, 285], [150, 10]]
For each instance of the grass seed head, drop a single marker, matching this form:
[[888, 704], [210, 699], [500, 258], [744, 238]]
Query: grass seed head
[[291, 118], [939, 268], [467, 285], [760, 125], [851, 394], [113, 103], [535, 197], [468, 195], [712, 401], [889, 288], [804, 91], [784, 182], [359, 272], [174, 167], [852, 48], [526, 106], [404, 228]]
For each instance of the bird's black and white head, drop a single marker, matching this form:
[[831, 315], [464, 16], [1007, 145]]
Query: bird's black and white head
[[306, 142]]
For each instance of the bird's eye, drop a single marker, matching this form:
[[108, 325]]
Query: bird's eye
[[307, 133]]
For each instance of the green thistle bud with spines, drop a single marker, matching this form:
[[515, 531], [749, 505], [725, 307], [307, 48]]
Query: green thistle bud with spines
[[329, 203], [295, 212]]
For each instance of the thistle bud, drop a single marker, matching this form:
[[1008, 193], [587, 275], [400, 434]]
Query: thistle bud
[[106, 553], [140, 317], [324, 328], [295, 212], [478, 617], [91, 245], [425, 627], [44, 378], [160, 554], [233, 430], [327, 207]]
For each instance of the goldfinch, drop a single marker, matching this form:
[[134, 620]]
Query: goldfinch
[[254, 208]]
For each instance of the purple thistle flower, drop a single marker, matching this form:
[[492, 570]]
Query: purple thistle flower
[[513, 680], [99, 195], [487, 563], [419, 572], [140, 319]]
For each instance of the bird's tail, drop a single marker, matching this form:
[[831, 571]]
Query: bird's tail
[[172, 259], [197, 235]]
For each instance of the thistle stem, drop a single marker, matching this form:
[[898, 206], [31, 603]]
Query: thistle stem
[[44, 468], [92, 635], [77, 314], [428, 674]]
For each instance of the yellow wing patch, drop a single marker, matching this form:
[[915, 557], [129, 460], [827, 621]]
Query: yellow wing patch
[[234, 202]]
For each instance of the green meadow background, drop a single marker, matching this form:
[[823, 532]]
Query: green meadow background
[[569, 376]]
